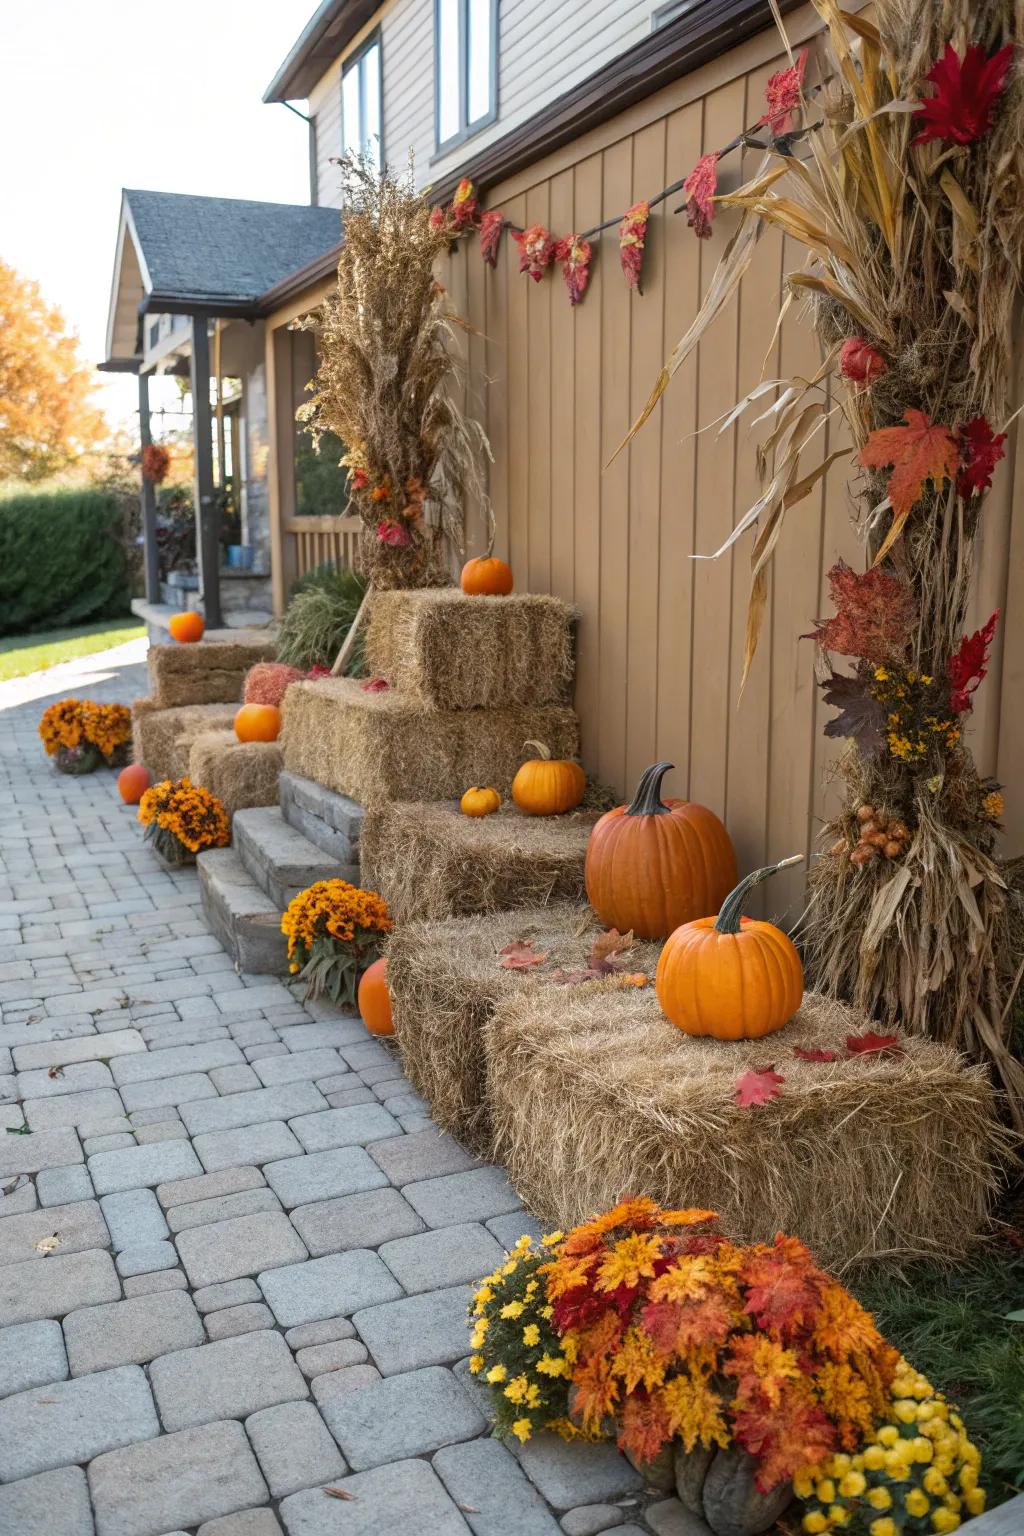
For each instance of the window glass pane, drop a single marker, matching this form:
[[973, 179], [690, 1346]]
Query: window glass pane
[[479, 56], [370, 66], [447, 69], [351, 140]]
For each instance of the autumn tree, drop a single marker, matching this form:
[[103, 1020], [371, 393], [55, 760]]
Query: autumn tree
[[48, 417]]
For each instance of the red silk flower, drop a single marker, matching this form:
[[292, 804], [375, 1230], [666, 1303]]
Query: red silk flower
[[860, 362], [575, 255], [491, 225], [394, 534], [536, 250], [967, 92], [782, 94], [464, 205], [632, 238], [969, 666], [699, 188], [980, 452]]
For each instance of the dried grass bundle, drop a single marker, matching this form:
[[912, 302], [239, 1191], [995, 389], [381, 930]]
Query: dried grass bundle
[[431, 861], [864, 1157], [239, 773], [384, 384], [162, 737]]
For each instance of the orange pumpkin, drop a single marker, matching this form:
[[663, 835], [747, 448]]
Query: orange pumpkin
[[186, 627], [480, 802], [654, 863], [132, 783], [258, 722], [486, 576], [546, 785], [728, 976], [375, 999]]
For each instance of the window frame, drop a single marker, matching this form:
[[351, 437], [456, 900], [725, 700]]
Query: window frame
[[466, 130], [352, 61], [672, 10]]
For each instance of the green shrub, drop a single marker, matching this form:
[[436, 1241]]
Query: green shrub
[[323, 605], [65, 558]]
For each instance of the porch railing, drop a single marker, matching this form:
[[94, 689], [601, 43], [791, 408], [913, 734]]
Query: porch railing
[[312, 541]]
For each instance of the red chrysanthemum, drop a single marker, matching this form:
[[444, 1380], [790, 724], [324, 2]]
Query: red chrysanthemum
[[699, 188], [782, 94], [967, 92], [536, 250]]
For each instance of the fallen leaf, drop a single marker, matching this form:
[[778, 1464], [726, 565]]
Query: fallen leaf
[[341, 1493], [47, 1245], [469, 1509], [802, 1055], [375, 685], [520, 956], [18, 1130], [55, 1072], [606, 949], [758, 1087], [8, 1189], [567, 977], [917, 452], [868, 1042]]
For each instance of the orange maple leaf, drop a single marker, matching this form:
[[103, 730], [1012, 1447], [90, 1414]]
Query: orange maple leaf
[[918, 452]]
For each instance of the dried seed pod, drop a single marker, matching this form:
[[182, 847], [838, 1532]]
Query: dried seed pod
[[899, 831], [881, 822], [861, 855], [878, 839], [867, 828], [865, 812], [893, 850], [840, 846]]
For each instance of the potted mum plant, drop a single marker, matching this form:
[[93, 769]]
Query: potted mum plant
[[182, 819], [334, 932], [81, 736]]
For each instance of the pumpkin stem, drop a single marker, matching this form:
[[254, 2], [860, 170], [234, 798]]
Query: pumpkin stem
[[728, 920], [540, 749], [647, 799]]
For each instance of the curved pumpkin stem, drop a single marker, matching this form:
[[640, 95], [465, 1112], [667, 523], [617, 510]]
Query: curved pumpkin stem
[[542, 751], [647, 799], [728, 920]]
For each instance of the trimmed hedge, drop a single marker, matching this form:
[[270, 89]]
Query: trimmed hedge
[[65, 559]]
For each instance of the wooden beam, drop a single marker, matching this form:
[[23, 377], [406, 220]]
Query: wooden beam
[[151, 563], [207, 510]]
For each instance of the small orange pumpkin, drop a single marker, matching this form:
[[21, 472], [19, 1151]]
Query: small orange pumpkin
[[132, 783], [258, 722], [654, 863], [728, 976], [479, 802], [375, 1000], [186, 627], [546, 785], [486, 576]]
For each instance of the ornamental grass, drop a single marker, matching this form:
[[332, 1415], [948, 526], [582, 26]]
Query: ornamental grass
[[334, 931], [182, 819], [80, 735]]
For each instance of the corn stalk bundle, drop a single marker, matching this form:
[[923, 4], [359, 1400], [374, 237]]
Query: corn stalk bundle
[[914, 244], [385, 381]]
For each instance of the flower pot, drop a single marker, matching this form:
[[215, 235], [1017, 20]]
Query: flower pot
[[83, 759], [719, 1487]]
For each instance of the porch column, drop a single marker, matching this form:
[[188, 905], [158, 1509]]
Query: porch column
[[149, 551], [207, 510]]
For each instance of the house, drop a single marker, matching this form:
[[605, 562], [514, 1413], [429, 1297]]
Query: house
[[564, 116]]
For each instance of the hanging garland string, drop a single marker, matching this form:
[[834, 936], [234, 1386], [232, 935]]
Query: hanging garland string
[[539, 248]]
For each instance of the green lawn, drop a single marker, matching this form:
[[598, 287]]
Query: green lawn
[[22, 654]]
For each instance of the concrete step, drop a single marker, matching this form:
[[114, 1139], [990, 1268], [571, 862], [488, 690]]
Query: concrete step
[[244, 918], [279, 858], [332, 821]]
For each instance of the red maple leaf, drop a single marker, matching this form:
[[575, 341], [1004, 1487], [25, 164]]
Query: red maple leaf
[[632, 239], [491, 225], [758, 1087], [698, 189], [783, 1439], [970, 665], [520, 955], [575, 255], [645, 1426], [782, 93], [980, 452], [536, 250], [802, 1055], [783, 1283], [868, 1043], [918, 452], [967, 92], [874, 613]]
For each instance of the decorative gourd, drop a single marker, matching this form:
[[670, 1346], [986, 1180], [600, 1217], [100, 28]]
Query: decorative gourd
[[132, 783], [479, 802], [258, 722], [654, 864], [374, 999], [186, 627], [546, 785], [486, 576], [729, 976]]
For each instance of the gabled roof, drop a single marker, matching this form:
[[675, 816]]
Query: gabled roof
[[177, 253], [333, 25]]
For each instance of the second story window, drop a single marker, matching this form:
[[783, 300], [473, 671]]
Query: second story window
[[466, 68], [360, 102]]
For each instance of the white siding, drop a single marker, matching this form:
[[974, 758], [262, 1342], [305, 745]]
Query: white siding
[[545, 47]]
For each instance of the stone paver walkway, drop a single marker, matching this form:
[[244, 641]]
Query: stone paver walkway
[[235, 1253]]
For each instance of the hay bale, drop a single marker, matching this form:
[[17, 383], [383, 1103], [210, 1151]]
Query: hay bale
[[157, 733], [445, 982], [593, 1093], [379, 747], [208, 672], [239, 773], [430, 861], [450, 651]]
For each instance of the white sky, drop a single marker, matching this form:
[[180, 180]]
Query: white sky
[[96, 95]]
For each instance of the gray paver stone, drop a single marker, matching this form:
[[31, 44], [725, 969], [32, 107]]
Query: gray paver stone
[[247, 1522], [449, 1256], [253, 1108], [509, 1229], [72, 1227], [189, 1477], [309, 1037], [354, 1221], [31, 1354], [229, 1379], [344, 1098], [246, 1145], [401, 1416], [670, 1517], [320, 1358], [174, 1061], [345, 1127], [323, 1332], [61, 1186], [233, 1293], [230, 1322], [209, 1186], [76, 1077], [135, 1167], [200, 1213], [133, 1216], [577, 1473], [341, 1282], [77, 1109], [167, 1092], [352, 1379], [146, 1258], [65, 1281], [46, 1149], [294, 1448], [591, 1519], [426, 1155], [458, 1197], [407, 1495], [155, 1280], [112, 1143], [324, 1175], [60, 1053], [486, 1477], [420, 1330], [308, 1065], [172, 1130], [131, 1332], [234, 1079], [22, 1196], [50, 1504], [227, 1250], [82, 1418]]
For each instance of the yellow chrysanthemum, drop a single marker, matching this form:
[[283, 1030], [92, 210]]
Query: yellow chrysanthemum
[[531, 1334], [916, 1502], [497, 1373], [512, 1309], [879, 1498], [944, 1521], [476, 1364], [522, 1429]]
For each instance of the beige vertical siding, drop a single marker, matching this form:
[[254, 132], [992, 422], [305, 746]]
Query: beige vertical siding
[[661, 637]]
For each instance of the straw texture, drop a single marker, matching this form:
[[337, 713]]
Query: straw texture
[[162, 737], [239, 773], [208, 672]]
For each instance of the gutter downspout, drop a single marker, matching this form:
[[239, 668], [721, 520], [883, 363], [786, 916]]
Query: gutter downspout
[[310, 122]]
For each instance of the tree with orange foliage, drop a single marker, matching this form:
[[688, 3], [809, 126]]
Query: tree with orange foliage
[[48, 418]]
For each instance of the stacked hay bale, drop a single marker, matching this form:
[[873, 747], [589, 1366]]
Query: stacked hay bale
[[242, 774], [192, 689]]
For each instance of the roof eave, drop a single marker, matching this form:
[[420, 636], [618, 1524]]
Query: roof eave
[[334, 24]]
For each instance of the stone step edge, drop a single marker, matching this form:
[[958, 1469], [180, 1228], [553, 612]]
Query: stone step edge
[[338, 813], [281, 876], [240, 914]]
